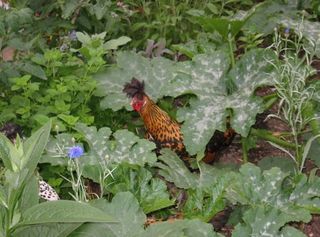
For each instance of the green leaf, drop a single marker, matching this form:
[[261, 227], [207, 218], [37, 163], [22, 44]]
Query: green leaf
[[183, 228], [64, 211], [34, 146], [48, 230], [126, 147], [115, 43], [57, 148], [264, 221], [125, 209], [151, 192], [174, 170], [69, 8], [69, 119], [34, 70], [3, 197], [271, 201], [221, 25], [251, 71], [7, 152], [206, 77]]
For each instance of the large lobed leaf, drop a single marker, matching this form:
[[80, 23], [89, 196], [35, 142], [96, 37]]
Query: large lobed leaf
[[271, 202], [105, 147], [206, 77], [208, 113], [124, 148]]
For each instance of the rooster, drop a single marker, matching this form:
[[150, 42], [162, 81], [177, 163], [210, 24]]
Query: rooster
[[163, 130]]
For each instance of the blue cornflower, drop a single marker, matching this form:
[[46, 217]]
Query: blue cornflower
[[73, 35], [287, 31], [75, 152]]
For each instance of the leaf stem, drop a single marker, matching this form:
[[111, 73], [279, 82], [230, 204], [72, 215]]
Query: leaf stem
[[266, 135]]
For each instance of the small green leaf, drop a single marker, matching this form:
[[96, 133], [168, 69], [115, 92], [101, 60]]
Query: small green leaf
[[115, 43], [69, 119]]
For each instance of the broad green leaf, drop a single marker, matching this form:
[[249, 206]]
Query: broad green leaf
[[125, 209], [69, 8], [115, 43], [126, 147], [156, 73], [264, 221], [34, 70], [208, 113], [57, 148], [221, 25], [286, 165], [206, 77], [151, 192], [183, 228], [64, 211], [271, 201], [7, 152], [34, 146], [30, 194], [267, 14], [48, 230], [173, 169]]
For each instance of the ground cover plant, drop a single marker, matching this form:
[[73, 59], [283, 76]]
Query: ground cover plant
[[250, 68]]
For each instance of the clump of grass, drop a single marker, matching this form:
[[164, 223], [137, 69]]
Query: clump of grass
[[295, 94]]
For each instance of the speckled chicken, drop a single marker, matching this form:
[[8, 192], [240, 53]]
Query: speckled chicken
[[163, 130]]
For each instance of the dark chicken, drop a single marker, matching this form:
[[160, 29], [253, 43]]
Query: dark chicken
[[163, 130]]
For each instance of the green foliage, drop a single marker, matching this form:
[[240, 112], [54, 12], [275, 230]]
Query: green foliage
[[125, 208], [271, 200], [150, 192], [252, 71], [19, 193], [60, 61]]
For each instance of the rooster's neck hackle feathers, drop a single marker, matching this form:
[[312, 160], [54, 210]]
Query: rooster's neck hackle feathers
[[134, 88]]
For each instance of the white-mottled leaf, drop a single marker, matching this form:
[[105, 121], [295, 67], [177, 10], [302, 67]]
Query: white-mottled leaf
[[206, 77], [125, 147], [208, 113], [271, 203]]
